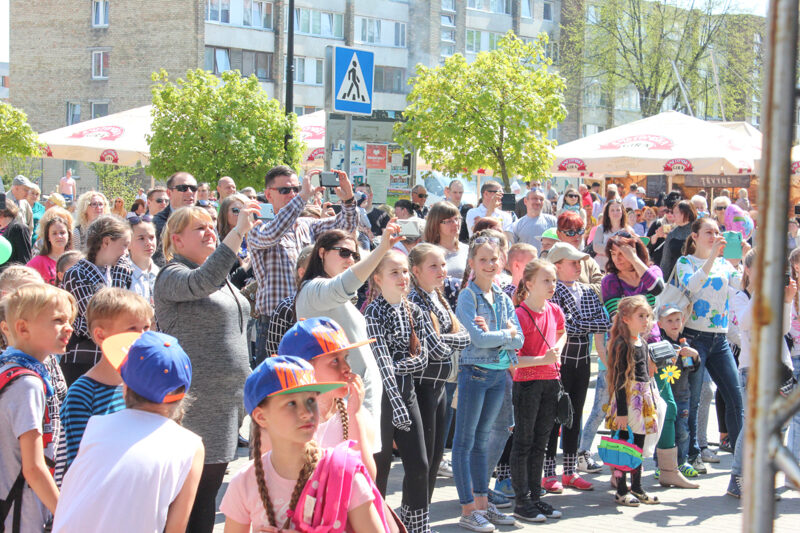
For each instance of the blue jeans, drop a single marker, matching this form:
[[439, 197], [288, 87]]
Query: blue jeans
[[716, 357], [682, 426], [738, 452], [501, 429], [597, 416], [480, 397], [449, 391], [794, 424], [262, 325]]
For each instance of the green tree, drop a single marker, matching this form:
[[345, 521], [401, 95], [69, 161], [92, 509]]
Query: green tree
[[115, 181], [212, 127], [492, 113], [17, 140]]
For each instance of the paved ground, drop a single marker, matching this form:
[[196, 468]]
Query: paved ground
[[708, 507]]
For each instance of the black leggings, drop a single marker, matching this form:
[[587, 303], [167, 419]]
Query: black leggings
[[534, 413], [411, 445], [636, 474], [575, 377], [204, 509], [433, 410]]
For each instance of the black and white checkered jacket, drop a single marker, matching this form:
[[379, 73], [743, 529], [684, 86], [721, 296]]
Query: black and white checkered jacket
[[584, 314]]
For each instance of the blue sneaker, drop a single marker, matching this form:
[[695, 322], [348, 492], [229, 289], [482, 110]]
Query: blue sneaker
[[498, 499], [504, 487]]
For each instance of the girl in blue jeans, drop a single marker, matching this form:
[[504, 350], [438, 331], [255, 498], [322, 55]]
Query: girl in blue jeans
[[707, 276], [488, 316]]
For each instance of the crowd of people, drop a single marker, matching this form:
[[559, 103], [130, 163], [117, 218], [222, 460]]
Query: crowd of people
[[137, 339]]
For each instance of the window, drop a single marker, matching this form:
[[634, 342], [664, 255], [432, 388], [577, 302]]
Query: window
[[370, 30], [258, 63], [247, 12], [4, 82], [100, 13], [73, 166], [478, 41], [527, 8], [318, 23], [449, 36], [218, 11], [449, 5], [449, 21], [100, 65], [73, 113], [448, 50], [494, 40], [99, 109], [593, 95], [473, 41], [591, 129], [547, 11], [389, 79], [628, 99], [218, 60], [262, 15], [305, 109], [493, 6], [400, 34], [308, 70], [592, 15]]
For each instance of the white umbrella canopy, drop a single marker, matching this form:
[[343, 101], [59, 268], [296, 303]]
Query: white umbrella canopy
[[669, 142], [312, 132], [117, 139]]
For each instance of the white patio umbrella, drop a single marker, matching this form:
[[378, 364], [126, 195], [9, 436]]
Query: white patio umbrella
[[312, 132], [669, 142], [117, 139]]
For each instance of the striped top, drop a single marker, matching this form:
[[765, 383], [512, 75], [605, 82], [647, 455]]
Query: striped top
[[85, 398]]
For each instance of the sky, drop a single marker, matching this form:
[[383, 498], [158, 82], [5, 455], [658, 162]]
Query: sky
[[758, 7]]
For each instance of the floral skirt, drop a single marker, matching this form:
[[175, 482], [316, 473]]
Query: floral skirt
[[642, 411]]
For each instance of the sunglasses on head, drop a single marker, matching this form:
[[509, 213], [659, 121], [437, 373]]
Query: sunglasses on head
[[346, 253], [573, 232], [135, 219], [484, 240], [286, 190], [183, 187]]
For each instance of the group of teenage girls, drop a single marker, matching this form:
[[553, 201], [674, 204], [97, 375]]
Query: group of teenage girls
[[533, 344]]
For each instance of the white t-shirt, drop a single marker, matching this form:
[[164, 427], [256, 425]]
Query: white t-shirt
[[130, 467], [631, 201], [479, 212]]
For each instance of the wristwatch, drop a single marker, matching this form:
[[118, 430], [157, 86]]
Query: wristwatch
[[349, 201]]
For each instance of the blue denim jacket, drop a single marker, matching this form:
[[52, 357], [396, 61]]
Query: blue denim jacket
[[485, 346]]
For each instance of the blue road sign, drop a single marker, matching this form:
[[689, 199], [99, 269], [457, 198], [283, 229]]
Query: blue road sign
[[353, 72]]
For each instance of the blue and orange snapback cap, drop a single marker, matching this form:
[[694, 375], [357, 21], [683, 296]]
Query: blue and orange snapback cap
[[282, 374], [315, 337], [151, 364]]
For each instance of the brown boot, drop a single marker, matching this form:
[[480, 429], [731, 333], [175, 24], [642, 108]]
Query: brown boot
[[670, 475]]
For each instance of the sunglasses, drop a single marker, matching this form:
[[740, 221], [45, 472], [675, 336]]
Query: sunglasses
[[346, 253], [135, 219], [485, 240], [573, 196], [421, 195], [493, 191], [286, 190], [183, 187], [97, 204], [161, 200], [720, 208], [573, 232]]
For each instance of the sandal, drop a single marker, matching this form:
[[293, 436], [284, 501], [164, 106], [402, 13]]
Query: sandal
[[628, 500], [645, 498]]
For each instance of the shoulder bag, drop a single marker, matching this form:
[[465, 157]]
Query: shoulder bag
[[676, 294]]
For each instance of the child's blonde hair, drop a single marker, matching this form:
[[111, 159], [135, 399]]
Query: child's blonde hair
[[111, 302], [532, 269], [416, 257], [177, 222], [519, 249], [16, 276], [30, 301], [620, 346]]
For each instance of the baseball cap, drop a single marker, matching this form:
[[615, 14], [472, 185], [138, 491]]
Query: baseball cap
[[668, 309], [562, 250], [641, 190], [56, 198], [151, 364], [550, 233], [22, 180], [282, 374], [315, 337]]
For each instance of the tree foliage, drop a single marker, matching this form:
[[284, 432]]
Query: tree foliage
[[634, 43], [17, 139], [492, 113], [115, 181], [212, 127]]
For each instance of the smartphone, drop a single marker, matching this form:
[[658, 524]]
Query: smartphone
[[329, 179], [409, 228], [2, 201], [797, 210], [509, 202], [337, 208], [267, 212], [733, 250]]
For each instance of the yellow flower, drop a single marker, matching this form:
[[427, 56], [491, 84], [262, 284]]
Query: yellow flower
[[671, 374]]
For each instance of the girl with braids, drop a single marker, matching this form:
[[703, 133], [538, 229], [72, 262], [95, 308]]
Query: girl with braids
[[274, 492], [632, 404], [428, 273], [488, 316], [404, 342]]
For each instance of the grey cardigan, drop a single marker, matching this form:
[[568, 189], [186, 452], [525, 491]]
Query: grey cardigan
[[197, 305]]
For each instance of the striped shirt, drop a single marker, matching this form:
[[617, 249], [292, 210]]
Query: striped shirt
[[85, 398], [583, 315]]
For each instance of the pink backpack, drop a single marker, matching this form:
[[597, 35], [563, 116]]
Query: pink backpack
[[322, 506]]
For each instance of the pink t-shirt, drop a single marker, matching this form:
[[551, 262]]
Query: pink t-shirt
[[330, 433], [46, 267], [242, 502]]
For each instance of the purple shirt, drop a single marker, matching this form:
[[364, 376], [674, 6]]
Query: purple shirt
[[612, 287]]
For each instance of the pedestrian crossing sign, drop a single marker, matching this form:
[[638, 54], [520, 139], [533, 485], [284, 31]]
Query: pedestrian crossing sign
[[352, 80]]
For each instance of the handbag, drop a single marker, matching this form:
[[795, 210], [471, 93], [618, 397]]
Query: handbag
[[564, 410], [623, 455], [675, 294]]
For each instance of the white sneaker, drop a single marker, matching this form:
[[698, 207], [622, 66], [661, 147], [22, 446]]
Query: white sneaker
[[709, 456], [476, 521], [445, 469], [497, 518]]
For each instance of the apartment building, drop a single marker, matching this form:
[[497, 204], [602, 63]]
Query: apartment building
[[74, 60], [4, 81]]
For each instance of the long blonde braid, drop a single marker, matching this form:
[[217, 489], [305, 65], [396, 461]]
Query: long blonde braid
[[344, 416]]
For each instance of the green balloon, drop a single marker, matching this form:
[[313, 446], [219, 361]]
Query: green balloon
[[5, 250]]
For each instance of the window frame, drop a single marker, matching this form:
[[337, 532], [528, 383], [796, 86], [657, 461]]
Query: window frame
[[92, 105], [545, 4], [104, 69], [214, 66], [380, 78], [320, 13], [269, 56], [104, 9], [71, 108]]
